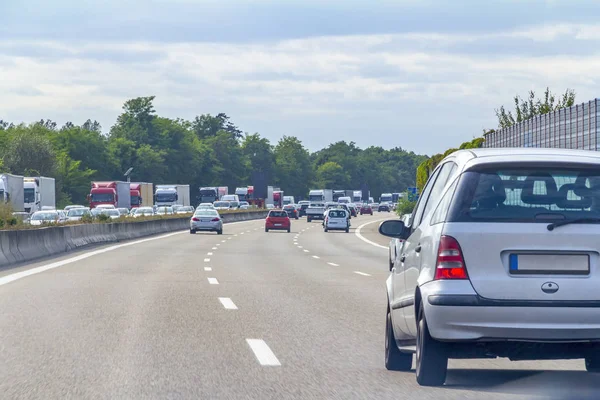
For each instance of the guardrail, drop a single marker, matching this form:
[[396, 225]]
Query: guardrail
[[17, 246]]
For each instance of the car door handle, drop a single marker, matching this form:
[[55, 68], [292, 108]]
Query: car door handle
[[418, 249]]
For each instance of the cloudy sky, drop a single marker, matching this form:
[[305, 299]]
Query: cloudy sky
[[420, 74]]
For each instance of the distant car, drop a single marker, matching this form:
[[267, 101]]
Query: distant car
[[345, 207], [222, 205], [374, 206], [113, 213], [124, 211], [270, 206], [185, 210], [234, 205], [106, 206], [336, 219], [205, 206], [142, 212], [206, 220], [384, 207], [164, 211], [291, 210], [75, 214], [366, 209], [244, 204], [278, 220], [45, 217], [67, 208], [303, 206], [353, 209], [23, 216]]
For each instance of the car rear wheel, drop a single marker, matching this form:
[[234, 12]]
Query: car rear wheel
[[308, 219], [192, 232], [432, 358], [325, 229], [266, 230], [288, 230], [347, 230], [395, 360], [220, 232], [592, 363]]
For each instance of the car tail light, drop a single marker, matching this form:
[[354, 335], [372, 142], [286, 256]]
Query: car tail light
[[195, 219], [450, 261], [215, 220]]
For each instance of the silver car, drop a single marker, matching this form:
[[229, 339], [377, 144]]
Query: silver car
[[75, 214], [501, 259], [206, 220]]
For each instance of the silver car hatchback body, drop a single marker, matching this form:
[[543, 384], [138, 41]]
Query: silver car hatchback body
[[501, 259]]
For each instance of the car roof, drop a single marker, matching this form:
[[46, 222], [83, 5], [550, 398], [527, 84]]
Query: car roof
[[471, 157]]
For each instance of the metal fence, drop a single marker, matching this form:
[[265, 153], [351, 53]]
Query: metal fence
[[576, 127]]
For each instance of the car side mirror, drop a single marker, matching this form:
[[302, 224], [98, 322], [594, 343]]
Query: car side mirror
[[394, 228]]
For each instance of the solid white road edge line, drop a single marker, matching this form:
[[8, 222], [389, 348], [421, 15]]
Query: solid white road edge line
[[333, 264], [263, 353], [23, 274], [207, 268], [213, 281], [227, 303], [361, 273], [364, 239]]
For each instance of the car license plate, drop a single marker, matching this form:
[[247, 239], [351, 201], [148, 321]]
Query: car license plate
[[205, 220], [277, 224], [549, 264]]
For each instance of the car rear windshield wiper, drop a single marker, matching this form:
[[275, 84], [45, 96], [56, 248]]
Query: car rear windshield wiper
[[572, 221]]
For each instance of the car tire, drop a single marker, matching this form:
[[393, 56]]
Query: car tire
[[395, 360], [347, 230], [288, 231], [220, 232], [592, 363], [192, 232], [266, 230], [431, 355], [308, 219]]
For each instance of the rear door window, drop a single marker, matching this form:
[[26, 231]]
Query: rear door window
[[277, 214], [526, 194]]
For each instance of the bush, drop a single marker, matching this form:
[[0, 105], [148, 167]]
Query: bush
[[405, 206], [87, 219], [103, 218]]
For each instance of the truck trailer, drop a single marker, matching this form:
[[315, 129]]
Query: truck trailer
[[113, 192], [11, 191], [39, 193]]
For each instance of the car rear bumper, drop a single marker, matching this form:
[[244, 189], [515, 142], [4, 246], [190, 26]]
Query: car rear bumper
[[455, 312], [206, 226], [315, 216], [277, 228]]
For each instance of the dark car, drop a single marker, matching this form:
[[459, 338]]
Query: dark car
[[303, 206], [384, 207], [353, 210], [291, 210], [366, 209], [277, 220]]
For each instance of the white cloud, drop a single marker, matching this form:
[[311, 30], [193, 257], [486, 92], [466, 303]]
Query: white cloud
[[324, 77]]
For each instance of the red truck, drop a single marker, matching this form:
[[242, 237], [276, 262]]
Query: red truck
[[141, 194], [114, 192], [278, 198]]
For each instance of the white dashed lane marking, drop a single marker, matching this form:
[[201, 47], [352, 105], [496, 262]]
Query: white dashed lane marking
[[361, 273], [306, 251], [317, 257], [207, 260], [333, 264], [209, 253], [227, 303], [213, 281], [207, 268], [263, 353]]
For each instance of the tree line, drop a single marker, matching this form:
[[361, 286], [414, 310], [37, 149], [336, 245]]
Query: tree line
[[208, 151]]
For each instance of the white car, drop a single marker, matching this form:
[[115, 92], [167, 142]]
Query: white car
[[336, 219], [67, 208], [164, 211], [142, 212], [185, 210], [205, 206], [75, 214], [45, 217], [113, 213], [270, 206], [106, 207], [222, 205], [206, 220], [500, 259]]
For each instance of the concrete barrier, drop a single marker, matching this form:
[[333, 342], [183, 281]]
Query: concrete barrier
[[18, 246]]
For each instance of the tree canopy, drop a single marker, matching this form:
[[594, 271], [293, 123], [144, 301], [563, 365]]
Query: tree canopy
[[208, 151]]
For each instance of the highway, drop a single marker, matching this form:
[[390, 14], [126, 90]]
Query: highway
[[243, 315]]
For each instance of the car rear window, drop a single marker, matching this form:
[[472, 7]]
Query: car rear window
[[277, 214], [526, 194], [337, 214]]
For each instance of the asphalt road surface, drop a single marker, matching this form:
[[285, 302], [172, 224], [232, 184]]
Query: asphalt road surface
[[243, 315]]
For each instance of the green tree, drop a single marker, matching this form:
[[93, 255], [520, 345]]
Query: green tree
[[529, 108], [206, 126], [30, 152], [258, 154], [293, 167], [332, 175]]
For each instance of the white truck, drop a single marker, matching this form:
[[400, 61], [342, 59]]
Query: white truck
[[357, 196], [170, 195], [320, 195], [39, 193], [288, 200], [11, 191], [385, 198]]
